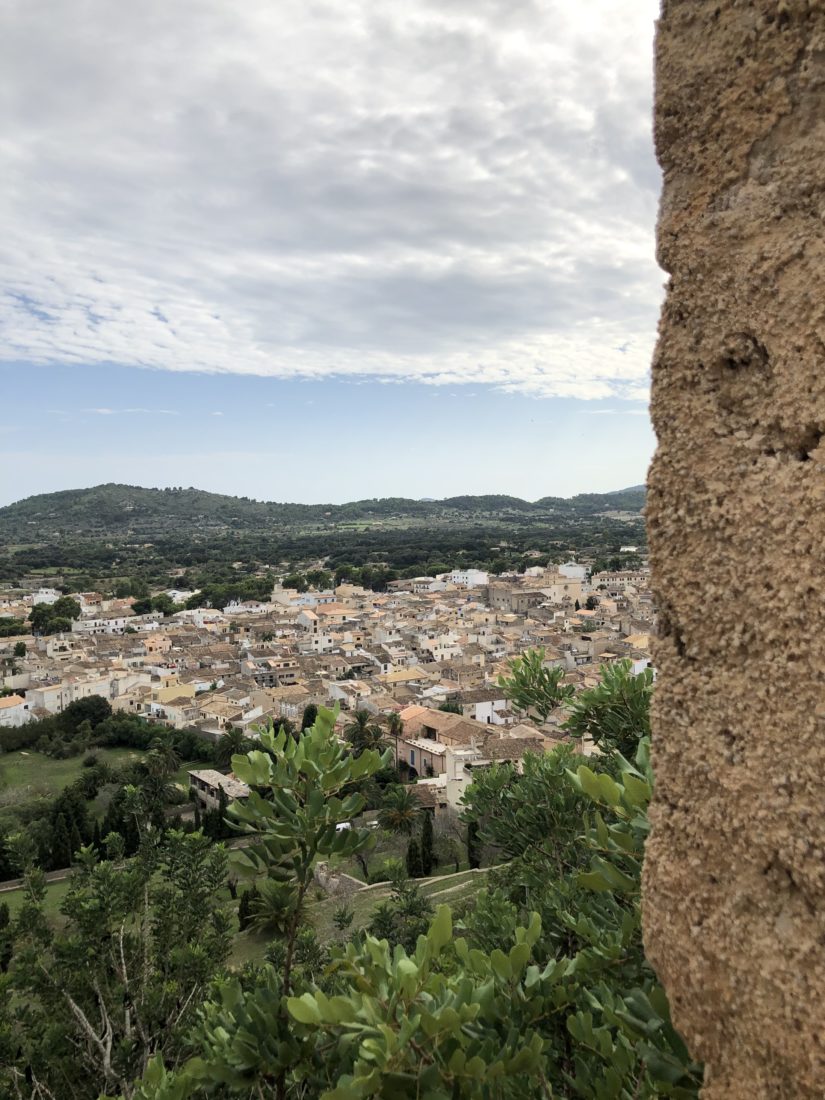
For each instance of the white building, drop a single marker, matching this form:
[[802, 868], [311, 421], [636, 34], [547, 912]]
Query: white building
[[46, 595], [572, 570], [469, 578], [14, 711]]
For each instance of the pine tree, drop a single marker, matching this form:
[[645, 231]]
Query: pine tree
[[97, 842], [6, 948], [414, 867], [309, 716], [7, 868], [75, 841], [61, 844], [427, 855], [221, 828], [243, 911], [197, 816], [473, 845]]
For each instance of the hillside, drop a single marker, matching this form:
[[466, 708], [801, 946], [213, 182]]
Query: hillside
[[120, 511]]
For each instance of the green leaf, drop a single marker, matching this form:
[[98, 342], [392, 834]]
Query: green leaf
[[305, 1009], [441, 929]]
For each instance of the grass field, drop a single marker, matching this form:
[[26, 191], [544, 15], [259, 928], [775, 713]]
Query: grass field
[[28, 775], [55, 893], [251, 946]]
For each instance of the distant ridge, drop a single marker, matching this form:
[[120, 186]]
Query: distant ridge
[[120, 510]]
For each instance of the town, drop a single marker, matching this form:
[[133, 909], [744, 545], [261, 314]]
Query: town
[[424, 657]]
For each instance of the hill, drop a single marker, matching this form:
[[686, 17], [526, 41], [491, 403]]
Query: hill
[[120, 511]]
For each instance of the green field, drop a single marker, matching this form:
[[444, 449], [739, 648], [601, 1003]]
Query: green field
[[28, 775], [55, 893]]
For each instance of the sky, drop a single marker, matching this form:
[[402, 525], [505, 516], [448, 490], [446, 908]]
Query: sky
[[321, 250]]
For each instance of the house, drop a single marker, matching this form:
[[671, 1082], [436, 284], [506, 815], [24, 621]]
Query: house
[[14, 711], [482, 704], [206, 784]]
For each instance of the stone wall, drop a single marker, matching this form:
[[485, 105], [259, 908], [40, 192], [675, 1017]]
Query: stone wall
[[734, 889]]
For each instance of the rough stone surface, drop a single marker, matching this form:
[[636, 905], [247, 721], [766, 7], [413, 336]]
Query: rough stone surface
[[734, 889]]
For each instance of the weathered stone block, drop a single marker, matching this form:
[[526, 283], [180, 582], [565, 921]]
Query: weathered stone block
[[734, 888]]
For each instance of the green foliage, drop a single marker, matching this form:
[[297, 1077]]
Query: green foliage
[[10, 626], [400, 810], [404, 916], [53, 618], [532, 686], [427, 853], [363, 732], [473, 845], [544, 992], [86, 1006], [613, 1036], [415, 868], [451, 708], [309, 716], [616, 713], [343, 917]]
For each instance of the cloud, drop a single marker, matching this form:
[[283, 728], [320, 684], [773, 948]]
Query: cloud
[[450, 192]]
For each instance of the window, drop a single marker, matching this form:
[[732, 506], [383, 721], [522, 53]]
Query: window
[[412, 756]]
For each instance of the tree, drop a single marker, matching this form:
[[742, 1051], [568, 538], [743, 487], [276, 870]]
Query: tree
[[309, 716], [451, 707], [343, 917], [20, 649], [415, 867], [399, 811], [591, 603], [363, 733], [427, 853], [290, 826], [473, 845], [577, 606], [532, 685], [65, 608], [92, 1002], [164, 604], [245, 907], [404, 917], [550, 1007], [61, 844], [94, 709], [616, 713], [232, 742]]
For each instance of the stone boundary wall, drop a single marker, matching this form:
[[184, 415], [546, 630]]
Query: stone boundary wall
[[734, 883]]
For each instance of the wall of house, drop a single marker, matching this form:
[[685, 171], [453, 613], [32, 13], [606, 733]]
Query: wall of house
[[734, 884]]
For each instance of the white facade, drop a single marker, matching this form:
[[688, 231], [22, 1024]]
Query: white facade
[[46, 595], [470, 578], [14, 711], [572, 570], [54, 698], [103, 626]]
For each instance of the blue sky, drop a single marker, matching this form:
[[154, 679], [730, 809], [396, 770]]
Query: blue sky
[[310, 441], [399, 249]]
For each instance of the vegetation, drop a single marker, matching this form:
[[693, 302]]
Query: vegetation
[[536, 985], [127, 541], [534, 686], [616, 713], [545, 992]]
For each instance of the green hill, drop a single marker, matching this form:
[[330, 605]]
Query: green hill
[[127, 510]]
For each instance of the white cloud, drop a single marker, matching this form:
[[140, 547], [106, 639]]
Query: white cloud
[[447, 191]]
